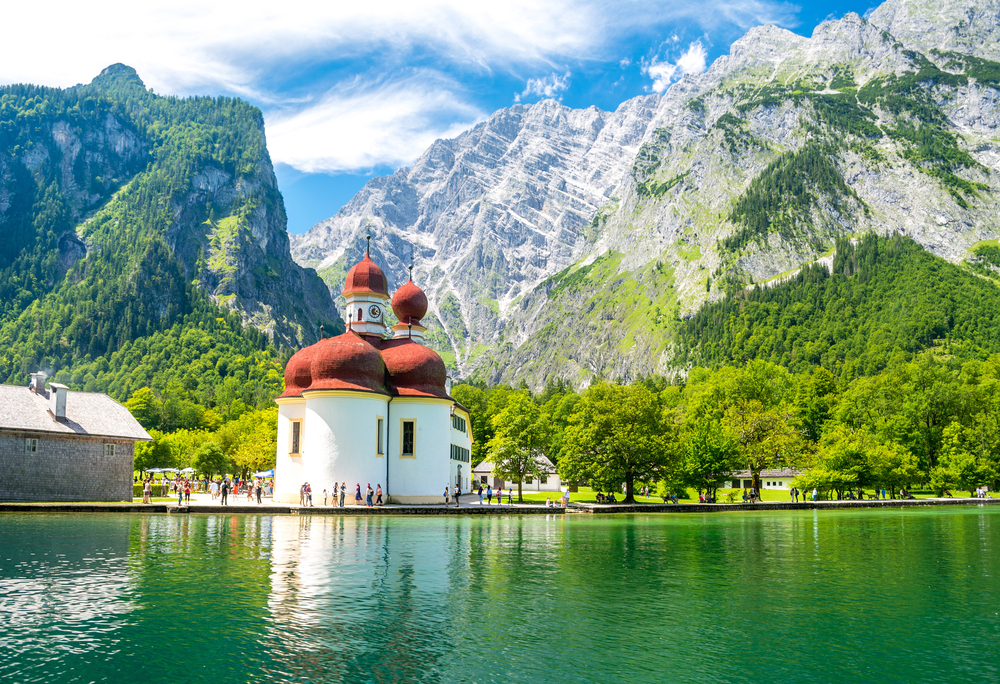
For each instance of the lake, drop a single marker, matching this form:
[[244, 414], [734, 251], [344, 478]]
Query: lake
[[794, 596]]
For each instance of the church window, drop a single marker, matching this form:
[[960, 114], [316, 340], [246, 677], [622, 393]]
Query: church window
[[408, 437], [378, 439], [296, 438], [458, 423], [359, 313]]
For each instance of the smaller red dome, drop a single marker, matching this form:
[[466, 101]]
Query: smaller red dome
[[409, 303], [366, 276], [297, 373], [414, 370], [346, 362]]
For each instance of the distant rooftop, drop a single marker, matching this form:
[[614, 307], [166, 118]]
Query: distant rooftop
[[87, 413]]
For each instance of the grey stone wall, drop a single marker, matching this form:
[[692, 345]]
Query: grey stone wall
[[65, 469]]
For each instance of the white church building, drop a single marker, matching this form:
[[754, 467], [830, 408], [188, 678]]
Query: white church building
[[372, 406]]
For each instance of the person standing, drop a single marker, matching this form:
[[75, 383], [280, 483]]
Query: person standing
[[480, 495], [510, 496], [447, 497], [357, 493], [368, 495], [187, 492], [260, 491], [343, 493], [458, 494], [224, 491], [147, 490], [324, 496], [489, 495], [378, 494]]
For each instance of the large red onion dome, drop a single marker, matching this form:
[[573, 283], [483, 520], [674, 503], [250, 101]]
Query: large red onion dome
[[414, 370], [409, 303], [346, 362], [366, 276], [297, 373]]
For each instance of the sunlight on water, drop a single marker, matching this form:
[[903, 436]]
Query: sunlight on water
[[901, 596]]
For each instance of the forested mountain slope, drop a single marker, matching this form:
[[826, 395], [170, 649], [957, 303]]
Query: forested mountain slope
[[144, 241], [886, 124]]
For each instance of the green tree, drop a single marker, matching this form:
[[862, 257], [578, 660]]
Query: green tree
[[145, 408], [210, 460], [616, 435], [765, 437], [962, 464], [519, 441], [709, 456]]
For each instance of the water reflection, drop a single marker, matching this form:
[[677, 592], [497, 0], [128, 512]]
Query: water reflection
[[898, 595]]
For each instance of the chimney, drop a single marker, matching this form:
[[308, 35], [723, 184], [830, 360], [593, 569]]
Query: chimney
[[57, 400], [37, 384]]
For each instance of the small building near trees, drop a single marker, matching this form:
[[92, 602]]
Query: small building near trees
[[59, 445], [777, 478], [548, 482]]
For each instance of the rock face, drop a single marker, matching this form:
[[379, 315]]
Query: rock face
[[556, 242], [112, 170]]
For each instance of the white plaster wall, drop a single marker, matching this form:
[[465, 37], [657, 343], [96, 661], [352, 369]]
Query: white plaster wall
[[288, 469], [340, 444], [464, 440], [421, 479]]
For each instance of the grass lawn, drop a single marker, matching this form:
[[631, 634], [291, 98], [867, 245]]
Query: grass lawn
[[588, 495]]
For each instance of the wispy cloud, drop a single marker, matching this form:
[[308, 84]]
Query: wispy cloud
[[370, 124], [548, 87], [692, 61], [308, 64]]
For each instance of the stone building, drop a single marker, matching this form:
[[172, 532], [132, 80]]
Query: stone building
[[58, 445], [372, 406]]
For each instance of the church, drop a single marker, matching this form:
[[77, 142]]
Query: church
[[372, 406]]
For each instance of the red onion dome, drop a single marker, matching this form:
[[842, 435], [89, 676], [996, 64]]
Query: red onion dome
[[366, 276], [347, 362], [409, 303], [297, 373], [414, 370]]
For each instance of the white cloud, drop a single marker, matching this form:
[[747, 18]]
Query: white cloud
[[360, 126], [692, 61], [271, 54], [548, 87]]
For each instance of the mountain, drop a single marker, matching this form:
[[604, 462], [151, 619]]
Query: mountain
[[559, 243], [143, 234]]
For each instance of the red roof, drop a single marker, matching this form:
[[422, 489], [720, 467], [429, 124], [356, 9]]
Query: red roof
[[409, 303], [366, 276], [413, 369], [345, 362]]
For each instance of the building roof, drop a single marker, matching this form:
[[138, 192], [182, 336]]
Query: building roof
[[774, 472], [366, 276], [486, 467], [87, 413]]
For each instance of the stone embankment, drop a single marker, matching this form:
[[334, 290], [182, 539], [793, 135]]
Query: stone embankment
[[476, 509]]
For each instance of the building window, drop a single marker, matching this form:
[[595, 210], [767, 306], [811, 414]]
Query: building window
[[30, 445], [460, 454], [380, 425], [408, 435], [296, 438], [527, 480], [109, 449], [544, 479], [458, 422]]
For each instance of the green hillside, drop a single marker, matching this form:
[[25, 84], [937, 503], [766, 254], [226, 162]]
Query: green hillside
[[131, 252], [885, 298]]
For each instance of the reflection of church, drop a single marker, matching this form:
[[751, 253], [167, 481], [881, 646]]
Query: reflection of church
[[371, 406]]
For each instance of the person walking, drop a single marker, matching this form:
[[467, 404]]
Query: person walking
[[368, 495], [378, 494], [343, 493], [510, 496], [302, 494], [447, 496], [814, 493], [260, 491], [224, 491], [480, 495], [357, 494], [489, 495], [458, 493], [187, 492]]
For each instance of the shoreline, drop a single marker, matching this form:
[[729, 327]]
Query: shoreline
[[476, 509]]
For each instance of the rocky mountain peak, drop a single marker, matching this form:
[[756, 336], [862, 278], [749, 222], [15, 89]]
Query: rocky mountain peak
[[971, 27]]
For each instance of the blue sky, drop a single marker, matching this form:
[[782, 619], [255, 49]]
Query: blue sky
[[350, 90]]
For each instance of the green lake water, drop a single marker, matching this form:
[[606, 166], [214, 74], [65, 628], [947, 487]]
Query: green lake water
[[909, 595]]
